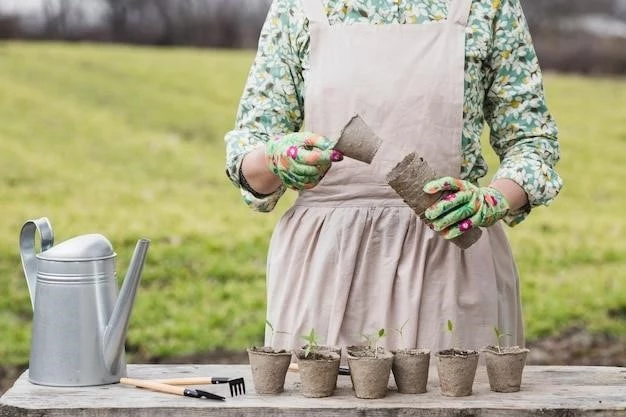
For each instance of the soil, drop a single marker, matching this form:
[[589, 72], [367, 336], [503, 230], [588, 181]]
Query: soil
[[266, 349], [503, 350], [364, 351], [457, 352], [410, 352], [324, 355], [575, 346]]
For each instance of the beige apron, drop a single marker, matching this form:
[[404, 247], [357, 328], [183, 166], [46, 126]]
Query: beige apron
[[350, 257]]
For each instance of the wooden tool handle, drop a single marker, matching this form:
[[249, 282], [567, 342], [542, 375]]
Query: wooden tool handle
[[155, 386], [197, 380]]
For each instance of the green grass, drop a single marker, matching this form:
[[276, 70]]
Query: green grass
[[128, 142], [572, 255]]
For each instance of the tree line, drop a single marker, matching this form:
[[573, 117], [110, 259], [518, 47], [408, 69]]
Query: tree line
[[237, 23], [201, 23]]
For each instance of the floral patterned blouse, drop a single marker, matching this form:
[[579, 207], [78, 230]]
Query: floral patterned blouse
[[503, 88]]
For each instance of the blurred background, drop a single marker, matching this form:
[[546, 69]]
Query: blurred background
[[112, 118], [570, 35]]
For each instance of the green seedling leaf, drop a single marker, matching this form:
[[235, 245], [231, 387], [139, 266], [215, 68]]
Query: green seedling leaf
[[372, 340], [499, 335], [450, 327], [273, 332], [311, 342], [401, 333]]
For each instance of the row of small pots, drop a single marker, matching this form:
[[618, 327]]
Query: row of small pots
[[370, 370]]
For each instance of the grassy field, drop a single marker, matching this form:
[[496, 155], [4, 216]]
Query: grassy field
[[128, 142]]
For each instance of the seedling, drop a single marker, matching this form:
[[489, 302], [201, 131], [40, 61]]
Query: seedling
[[450, 327], [499, 335], [372, 340], [401, 333], [311, 342], [273, 332]]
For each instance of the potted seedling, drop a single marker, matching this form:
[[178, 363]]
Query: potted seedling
[[370, 367], [456, 368], [410, 367], [318, 367], [312, 344], [269, 365], [505, 364]]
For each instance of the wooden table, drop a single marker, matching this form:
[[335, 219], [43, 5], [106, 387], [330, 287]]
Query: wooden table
[[564, 391]]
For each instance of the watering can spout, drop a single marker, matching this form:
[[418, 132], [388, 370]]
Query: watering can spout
[[115, 331]]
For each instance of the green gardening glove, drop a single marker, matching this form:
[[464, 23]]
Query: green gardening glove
[[300, 159], [463, 206]]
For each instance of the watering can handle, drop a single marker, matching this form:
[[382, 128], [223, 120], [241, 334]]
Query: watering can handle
[[27, 249]]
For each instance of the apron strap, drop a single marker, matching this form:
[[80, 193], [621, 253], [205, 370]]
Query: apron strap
[[459, 11], [314, 11]]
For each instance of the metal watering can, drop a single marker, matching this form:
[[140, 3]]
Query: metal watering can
[[79, 321]]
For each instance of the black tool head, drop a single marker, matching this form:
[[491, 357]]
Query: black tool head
[[237, 386], [197, 393]]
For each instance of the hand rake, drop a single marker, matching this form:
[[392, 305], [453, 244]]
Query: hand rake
[[237, 385], [171, 389]]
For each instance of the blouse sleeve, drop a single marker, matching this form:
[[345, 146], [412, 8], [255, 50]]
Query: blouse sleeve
[[272, 101], [523, 133]]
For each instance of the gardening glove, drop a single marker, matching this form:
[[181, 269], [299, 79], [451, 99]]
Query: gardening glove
[[300, 159], [463, 206]]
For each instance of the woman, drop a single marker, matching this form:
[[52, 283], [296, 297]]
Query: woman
[[350, 257]]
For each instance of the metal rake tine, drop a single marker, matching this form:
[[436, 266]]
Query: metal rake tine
[[237, 386]]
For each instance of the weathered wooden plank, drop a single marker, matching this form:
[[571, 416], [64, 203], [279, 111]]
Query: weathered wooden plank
[[552, 391]]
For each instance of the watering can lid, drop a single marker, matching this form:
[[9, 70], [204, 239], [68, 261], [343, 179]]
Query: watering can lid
[[80, 248]]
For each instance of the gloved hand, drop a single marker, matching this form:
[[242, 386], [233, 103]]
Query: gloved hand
[[300, 159], [463, 206]]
